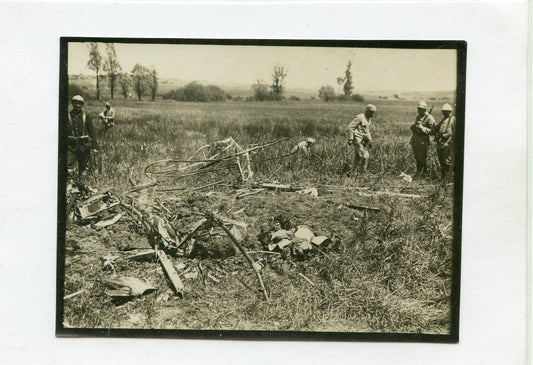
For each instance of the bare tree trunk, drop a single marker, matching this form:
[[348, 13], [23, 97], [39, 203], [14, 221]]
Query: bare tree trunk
[[112, 85], [97, 86]]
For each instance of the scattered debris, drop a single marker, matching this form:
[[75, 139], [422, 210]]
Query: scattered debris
[[185, 237], [311, 191], [247, 192], [126, 286], [96, 204], [406, 178], [281, 187], [191, 275], [299, 240], [144, 255], [73, 294], [215, 280], [319, 240], [361, 207], [304, 233], [108, 222], [109, 262], [164, 296], [171, 273], [307, 279], [256, 267]]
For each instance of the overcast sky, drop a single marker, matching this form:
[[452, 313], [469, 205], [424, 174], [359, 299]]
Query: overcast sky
[[307, 67]]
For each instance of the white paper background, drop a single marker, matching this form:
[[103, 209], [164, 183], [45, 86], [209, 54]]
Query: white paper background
[[492, 328]]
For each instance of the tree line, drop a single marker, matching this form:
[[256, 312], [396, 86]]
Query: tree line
[[141, 79]]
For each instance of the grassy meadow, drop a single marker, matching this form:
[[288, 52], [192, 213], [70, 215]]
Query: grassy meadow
[[150, 131], [386, 271]]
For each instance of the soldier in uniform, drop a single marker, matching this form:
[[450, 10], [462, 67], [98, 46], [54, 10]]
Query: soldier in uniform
[[304, 146], [81, 138], [108, 117], [421, 129], [444, 137], [359, 137]]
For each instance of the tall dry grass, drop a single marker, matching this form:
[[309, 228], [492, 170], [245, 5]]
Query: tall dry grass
[[386, 272]]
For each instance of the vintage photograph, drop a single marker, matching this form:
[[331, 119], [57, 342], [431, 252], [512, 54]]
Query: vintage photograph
[[260, 189]]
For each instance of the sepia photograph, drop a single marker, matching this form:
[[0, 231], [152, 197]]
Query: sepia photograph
[[260, 189]]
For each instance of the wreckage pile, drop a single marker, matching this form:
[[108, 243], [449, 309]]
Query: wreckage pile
[[181, 232], [183, 237]]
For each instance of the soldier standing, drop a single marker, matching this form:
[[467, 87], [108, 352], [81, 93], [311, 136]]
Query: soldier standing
[[422, 128], [359, 137], [444, 136], [81, 138]]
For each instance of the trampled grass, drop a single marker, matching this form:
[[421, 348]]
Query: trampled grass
[[386, 271]]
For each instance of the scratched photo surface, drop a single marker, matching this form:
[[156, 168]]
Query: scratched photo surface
[[275, 189]]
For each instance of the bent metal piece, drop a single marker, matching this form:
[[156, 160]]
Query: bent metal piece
[[94, 205]]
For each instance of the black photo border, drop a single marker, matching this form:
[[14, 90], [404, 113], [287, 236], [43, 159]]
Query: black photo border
[[453, 337]]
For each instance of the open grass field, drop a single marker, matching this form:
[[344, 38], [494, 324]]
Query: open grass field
[[386, 271]]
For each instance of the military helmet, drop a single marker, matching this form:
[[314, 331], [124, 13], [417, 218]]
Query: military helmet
[[310, 140], [422, 105], [371, 107], [78, 98], [446, 108], [107, 104]]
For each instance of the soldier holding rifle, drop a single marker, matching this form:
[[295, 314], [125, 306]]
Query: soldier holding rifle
[[421, 129], [444, 137]]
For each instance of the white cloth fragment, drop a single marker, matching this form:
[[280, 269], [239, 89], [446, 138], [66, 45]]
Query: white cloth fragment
[[318, 240], [280, 235], [284, 243], [304, 232], [126, 286], [311, 191]]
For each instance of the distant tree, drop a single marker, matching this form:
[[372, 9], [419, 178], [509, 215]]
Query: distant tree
[[112, 67], [260, 91], [348, 87], [278, 76], [153, 84], [340, 82], [141, 78], [95, 64], [125, 84], [326, 93]]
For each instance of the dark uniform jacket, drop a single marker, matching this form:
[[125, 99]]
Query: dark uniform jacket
[[81, 130]]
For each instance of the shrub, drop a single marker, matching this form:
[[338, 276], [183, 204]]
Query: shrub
[[358, 98], [295, 98], [342, 98], [75, 89], [196, 92], [326, 93]]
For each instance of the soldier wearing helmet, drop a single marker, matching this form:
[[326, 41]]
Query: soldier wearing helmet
[[108, 116], [304, 146], [81, 138], [421, 129], [444, 136], [359, 137]]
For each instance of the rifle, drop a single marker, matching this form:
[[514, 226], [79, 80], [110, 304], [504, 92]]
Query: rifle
[[423, 120], [428, 114]]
